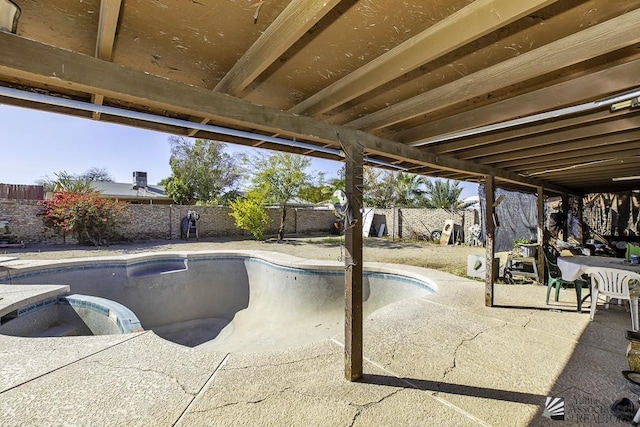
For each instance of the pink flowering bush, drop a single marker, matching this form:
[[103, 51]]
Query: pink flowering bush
[[91, 218]]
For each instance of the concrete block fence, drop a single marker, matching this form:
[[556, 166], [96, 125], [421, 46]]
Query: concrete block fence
[[418, 223], [24, 219]]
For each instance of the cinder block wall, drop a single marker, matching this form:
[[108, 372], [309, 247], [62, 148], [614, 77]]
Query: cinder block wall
[[418, 223], [151, 222], [26, 223]]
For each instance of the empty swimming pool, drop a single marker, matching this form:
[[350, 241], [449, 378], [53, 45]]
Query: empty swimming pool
[[232, 301]]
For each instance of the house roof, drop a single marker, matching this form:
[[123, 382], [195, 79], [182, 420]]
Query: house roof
[[461, 89], [129, 191]]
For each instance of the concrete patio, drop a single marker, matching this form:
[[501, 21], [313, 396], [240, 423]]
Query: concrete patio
[[443, 359]]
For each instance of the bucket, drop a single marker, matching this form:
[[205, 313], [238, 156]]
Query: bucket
[[528, 251]]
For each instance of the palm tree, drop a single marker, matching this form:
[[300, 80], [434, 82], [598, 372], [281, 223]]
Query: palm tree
[[442, 194], [408, 189]]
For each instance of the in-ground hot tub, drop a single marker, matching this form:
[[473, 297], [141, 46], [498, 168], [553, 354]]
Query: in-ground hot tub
[[233, 301]]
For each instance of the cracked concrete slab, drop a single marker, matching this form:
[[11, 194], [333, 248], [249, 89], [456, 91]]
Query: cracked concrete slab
[[305, 386], [126, 384], [519, 304], [411, 407], [492, 368], [23, 359]]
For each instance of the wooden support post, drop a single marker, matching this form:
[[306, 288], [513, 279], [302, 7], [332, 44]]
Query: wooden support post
[[580, 235], [565, 211], [489, 185], [541, 235], [353, 264]]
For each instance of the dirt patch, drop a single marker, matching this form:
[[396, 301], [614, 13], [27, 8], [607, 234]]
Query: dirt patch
[[449, 258]]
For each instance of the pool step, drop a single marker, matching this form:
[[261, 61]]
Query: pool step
[[58, 331]]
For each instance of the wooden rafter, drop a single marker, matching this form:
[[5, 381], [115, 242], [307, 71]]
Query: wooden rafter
[[503, 151], [597, 171], [590, 87], [468, 24], [59, 68], [598, 40], [109, 14], [528, 132], [294, 21], [583, 148]]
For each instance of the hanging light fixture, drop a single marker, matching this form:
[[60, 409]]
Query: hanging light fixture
[[9, 14]]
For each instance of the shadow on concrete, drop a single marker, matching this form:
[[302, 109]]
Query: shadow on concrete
[[458, 389], [592, 378]]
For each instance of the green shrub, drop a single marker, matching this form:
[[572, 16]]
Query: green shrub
[[249, 213]]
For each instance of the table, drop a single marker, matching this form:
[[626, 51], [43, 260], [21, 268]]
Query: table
[[572, 267]]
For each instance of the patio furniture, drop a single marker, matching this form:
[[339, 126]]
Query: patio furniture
[[573, 267], [555, 279], [615, 283]]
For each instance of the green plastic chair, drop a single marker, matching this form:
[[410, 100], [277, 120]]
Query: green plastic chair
[[554, 276]]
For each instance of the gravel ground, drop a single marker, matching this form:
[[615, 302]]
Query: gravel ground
[[450, 258]]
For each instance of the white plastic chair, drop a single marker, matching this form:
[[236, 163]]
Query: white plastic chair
[[614, 283]]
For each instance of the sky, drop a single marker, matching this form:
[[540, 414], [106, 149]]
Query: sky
[[35, 145]]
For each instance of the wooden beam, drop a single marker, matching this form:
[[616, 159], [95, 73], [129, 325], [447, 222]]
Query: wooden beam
[[565, 211], [598, 40], [294, 21], [529, 131], [64, 70], [587, 88], [469, 23], [541, 235], [507, 150], [107, 25], [109, 14], [606, 167], [490, 232], [353, 332], [580, 236], [586, 149], [588, 157]]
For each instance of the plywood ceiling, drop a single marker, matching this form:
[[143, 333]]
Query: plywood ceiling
[[404, 79]]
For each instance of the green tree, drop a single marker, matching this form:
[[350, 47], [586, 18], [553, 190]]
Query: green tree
[[281, 176], [95, 174], [407, 189], [178, 190], [65, 181], [318, 191], [377, 192], [442, 194], [201, 171], [383, 189], [250, 214]]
